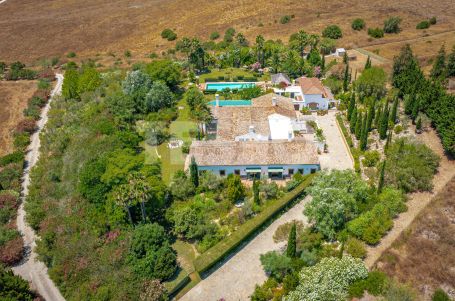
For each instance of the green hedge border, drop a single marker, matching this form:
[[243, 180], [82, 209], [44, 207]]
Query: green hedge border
[[224, 248], [177, 284], [352, 149]]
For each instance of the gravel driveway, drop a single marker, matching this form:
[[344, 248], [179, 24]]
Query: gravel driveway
[[338, 156], [236, 279]]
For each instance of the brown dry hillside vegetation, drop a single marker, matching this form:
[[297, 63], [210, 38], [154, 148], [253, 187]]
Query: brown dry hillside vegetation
[[35, 29], [13, 101], [424, 254]]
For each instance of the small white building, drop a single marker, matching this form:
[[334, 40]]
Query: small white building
[[308, 92], [340, 52]]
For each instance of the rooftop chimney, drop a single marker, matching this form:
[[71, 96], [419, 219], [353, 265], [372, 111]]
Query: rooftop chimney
[[217, 100], [290, 136], [274, 101]]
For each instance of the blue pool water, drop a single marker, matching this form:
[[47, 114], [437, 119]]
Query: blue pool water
[[221, 86], [232, 103]]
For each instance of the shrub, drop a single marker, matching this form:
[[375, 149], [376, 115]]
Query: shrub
[[410, 165], [371, 158], [71, 54], [392, 25], [332, 32], [285, 19], [329, 279], [376, 32], [275, 264], [440, 295], [399, 292], [433, 20], [358, 24], [355, 248], [371, 225], [214, 35], [21, 140], [423, 25], [398, 129], [168, 34], [376, 283], [27, 125], [12, 251]]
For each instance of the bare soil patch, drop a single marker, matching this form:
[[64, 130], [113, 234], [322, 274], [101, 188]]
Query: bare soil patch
[[36, 29], [424, 254], [13, 100]]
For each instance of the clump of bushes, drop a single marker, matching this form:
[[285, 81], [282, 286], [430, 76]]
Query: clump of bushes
[[423, 25], [18, 71], [285, 19], [392, 25], [376, 283], [371, 158], [168, 34], [332, 32], [214, 35], [376, 32], [358, 24]]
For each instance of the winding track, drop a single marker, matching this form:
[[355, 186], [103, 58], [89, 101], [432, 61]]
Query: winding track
[[30, 268]]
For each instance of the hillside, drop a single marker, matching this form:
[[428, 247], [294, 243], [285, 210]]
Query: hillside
[[51, 28]]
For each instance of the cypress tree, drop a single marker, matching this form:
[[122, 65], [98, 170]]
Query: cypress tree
[[377, 117], [364, 135], [439, 66], [358, 126], [194, 174], [389, 140], [353, 121], [384, 123], [415, 108], [370, 117], [256, 192], [346, 78], [368, 63], [291, 250], [393, 114], [351, 106], [381, 177], [451, 63], [409, 100]]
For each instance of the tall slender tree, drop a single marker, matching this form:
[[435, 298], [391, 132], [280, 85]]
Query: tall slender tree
[[364, 134], [291, 250], [346, 78], [368, 63], [439, 66], [256, 197], [351, 105], [194, 172], [260, 49], [139, 191], [122, 198], [370, 117], [451, 63], [353, 120], [358, 126], [393, 113], [381, 177], [384, 123]]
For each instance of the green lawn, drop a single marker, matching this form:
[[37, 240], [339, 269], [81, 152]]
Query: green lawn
[[172, 160], [229, 74]]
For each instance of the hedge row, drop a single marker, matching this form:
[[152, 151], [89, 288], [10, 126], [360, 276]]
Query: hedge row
[[177, 284], [221, 250], [234, 79], [354, 151]]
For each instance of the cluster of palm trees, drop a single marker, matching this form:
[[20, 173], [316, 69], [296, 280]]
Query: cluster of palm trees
[[136, 191]]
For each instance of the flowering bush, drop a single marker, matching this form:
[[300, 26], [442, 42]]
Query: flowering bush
[[329, 279]]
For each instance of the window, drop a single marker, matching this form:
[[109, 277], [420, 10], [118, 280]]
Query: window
[[291, 171], [301, 171], [222, 172], [313, 170], [237, 172]]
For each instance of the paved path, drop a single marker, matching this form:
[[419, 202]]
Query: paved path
[[338, 156], [30, 268], [236, 279]]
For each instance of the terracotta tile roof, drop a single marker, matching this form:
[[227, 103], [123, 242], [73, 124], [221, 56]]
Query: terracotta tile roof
[[235, 121], [231, 153], [312, 85]]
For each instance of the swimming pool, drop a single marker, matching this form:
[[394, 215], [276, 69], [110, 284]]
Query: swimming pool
[[232, 103], [232, 86]]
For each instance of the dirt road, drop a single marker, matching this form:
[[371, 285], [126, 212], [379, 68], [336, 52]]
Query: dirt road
[[30, 268]]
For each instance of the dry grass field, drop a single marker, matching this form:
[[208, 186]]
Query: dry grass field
[[36, 29], [13, 100], [423, 256]]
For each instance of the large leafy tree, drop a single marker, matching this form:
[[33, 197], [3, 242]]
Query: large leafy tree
[[136, 85], [158, 97], [166, 71], [336, 198]]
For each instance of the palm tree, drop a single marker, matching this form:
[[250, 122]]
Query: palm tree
[[260, 49], [122, 198], [139, 191], [302, 41]]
